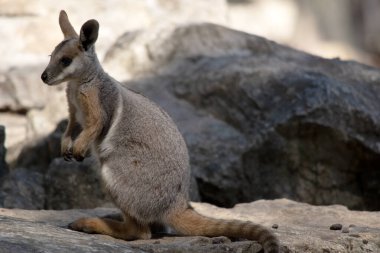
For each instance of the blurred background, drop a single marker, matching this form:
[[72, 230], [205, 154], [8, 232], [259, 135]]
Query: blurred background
[[342, 28], [34, 115]]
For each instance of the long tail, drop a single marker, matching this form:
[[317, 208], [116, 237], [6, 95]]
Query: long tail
[[190, 222]]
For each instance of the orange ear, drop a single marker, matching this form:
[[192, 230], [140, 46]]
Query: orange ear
[[67, 29]]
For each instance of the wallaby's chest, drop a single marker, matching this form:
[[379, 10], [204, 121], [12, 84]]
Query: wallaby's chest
[[79, 115], [73, 96]]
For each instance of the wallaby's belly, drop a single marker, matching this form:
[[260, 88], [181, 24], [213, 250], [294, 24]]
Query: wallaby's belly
[[145, 163]]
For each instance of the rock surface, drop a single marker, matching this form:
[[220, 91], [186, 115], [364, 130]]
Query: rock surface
[[74, 184], [23, 189], [263, 120], [302, 228]]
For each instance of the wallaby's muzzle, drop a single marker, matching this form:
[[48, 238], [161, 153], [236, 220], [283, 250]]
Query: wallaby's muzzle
[[44, 77]]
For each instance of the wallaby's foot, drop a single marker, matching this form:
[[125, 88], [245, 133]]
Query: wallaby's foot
[[121, 230], [87, 225]]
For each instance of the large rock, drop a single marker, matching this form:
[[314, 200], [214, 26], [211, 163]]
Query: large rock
[[23, 189], [153, 51], [74, 185], [262, 120], [38, 153], [301, 228]]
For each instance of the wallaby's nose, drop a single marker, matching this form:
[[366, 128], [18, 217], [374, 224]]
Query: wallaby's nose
[[44, 76]]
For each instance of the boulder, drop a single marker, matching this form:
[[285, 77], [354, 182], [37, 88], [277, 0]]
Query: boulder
[[262, 120], [38, 153], [74, 185], [163, 48], [22, 189], [300, 228]]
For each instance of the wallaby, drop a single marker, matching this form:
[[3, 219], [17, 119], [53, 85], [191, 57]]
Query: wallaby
[[144, 158]]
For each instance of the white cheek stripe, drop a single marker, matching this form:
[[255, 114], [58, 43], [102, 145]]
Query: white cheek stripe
[[67, 71]]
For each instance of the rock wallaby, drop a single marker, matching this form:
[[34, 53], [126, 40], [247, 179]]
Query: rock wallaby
[[145, 163]]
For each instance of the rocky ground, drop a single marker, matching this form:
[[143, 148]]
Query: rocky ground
[[301, 228]]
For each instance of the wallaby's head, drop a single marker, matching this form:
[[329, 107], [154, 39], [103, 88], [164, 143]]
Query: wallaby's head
[[72, 57]]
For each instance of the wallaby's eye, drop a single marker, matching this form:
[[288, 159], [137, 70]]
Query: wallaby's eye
[[66, 61]]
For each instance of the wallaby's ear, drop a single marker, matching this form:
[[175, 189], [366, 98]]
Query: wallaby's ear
[[89, 33], [66, 27]]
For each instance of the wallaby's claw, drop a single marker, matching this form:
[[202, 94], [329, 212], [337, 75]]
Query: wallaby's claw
[[79, 158], [68, 155]]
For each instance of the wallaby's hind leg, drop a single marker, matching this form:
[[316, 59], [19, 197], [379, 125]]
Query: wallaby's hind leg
[[114, 216], [129, 229]]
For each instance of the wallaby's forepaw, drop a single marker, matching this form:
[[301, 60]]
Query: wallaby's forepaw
[[68, 155], [83, 225], [79, 150], [79, 158], [66, 148]]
